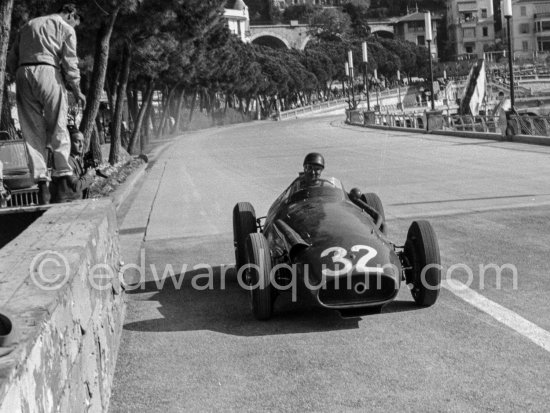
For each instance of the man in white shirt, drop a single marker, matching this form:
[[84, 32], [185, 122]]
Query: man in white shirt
[[43, 60]]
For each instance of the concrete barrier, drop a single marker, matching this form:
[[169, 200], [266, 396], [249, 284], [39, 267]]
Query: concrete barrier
[[67, 316]]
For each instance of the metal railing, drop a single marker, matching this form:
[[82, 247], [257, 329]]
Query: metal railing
[[469, 123], [293, 113], [520, 124], [526, 124], [401, 120]]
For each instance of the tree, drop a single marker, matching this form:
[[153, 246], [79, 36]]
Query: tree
[[6, 7], [358, 14], [330, 24], [300, 12]]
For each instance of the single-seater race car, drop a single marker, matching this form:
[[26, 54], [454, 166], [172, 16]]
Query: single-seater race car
[[331, 246]]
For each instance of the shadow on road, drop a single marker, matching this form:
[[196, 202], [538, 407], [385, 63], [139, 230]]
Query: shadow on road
[[216, 302]]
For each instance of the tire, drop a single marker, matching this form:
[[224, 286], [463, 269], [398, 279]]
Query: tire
[[375, 202], [422, 249], [261, 293], [244, 223]]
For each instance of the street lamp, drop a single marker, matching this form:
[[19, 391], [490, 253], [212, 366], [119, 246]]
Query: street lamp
[[377, 89], [365, 79], [429, 38], [399, 105], [507, 12], [350, 64], [346, 74]]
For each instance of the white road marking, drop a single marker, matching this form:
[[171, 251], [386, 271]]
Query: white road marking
[[505, 316]]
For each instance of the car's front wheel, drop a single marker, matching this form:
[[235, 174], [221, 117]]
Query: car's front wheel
[[259, 276], [422, 254], [244, 223]]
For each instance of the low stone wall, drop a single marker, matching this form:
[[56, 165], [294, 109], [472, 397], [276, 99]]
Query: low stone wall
[[60, 287]]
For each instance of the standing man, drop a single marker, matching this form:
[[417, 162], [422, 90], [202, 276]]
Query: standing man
[[43, 60]]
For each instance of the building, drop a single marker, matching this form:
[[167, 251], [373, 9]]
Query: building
[[530, 26], [282, 4], [470, 26], [238, 20], [412, 28]]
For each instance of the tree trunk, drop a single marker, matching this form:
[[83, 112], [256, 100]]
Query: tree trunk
[[95, 147], [98, 78], [145, 138], [6, 6], [149, 114], [176, 127], [193, 99], [116, 121], [100, 130], [6, 121], [132, 104], [165, 111], [141, 116]]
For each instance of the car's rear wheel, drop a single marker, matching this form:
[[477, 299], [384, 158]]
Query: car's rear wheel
[[422, 253], [259, 276], [244, 223], [375, 202]]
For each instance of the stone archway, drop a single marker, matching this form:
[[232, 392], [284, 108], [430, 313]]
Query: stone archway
[[385, 34], [267, 39]]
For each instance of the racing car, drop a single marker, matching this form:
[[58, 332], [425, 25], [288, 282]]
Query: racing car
[[332, 247]]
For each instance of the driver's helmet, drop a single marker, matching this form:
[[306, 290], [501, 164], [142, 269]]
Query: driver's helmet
[[314, 158]]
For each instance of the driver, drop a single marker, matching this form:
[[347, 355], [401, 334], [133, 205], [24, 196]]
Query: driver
[[314, 163]]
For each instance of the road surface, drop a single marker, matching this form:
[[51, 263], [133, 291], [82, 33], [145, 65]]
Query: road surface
[[192, 344]]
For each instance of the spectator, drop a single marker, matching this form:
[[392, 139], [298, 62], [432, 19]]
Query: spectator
[[42, 59], [75, 186]]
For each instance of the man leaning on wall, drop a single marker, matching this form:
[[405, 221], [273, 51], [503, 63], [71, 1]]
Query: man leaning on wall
[[43, 60]]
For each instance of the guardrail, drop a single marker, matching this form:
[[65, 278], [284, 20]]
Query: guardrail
[[293, 113], [528, 125], [492, 125]]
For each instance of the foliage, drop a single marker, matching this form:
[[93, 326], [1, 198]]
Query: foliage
[[330, 24], [186, 50], [300, 12]]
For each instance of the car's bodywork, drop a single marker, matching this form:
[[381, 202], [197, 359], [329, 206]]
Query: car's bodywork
[[330, 245]]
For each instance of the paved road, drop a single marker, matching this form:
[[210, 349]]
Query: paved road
[[484, 348]]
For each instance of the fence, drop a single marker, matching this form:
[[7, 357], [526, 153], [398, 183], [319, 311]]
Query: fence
[[519, 124], [528, 124], [294, 113]]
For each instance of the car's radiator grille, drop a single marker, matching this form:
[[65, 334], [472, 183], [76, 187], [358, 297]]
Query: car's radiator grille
[[23, 197], [357, 289]]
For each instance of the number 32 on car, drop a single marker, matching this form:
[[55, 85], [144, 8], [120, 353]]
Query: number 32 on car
[[344, 265]]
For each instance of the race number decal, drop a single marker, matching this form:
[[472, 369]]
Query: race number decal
[[339, 257], [345, 265]]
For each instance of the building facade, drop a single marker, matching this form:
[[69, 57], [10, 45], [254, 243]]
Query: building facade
[[282, 4], [413, 29], [530, 27], [238, 20], [471, 27]]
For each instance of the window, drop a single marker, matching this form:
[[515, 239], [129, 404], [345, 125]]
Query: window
[[524, 28], [525, 46], [523, 11], [544, 45], [483, 13], [420, 40], [469, 48], [485, 31], [415, 26], [545, 25]]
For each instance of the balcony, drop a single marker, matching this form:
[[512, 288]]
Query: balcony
[[542, 26], [468, 21]]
